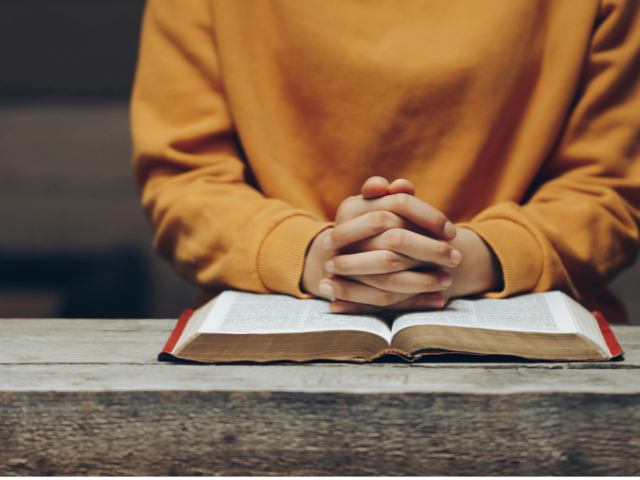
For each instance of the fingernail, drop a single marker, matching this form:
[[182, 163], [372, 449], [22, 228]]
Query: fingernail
[[449, 230], [445, 280], [437, 302], [327, 243], [330, 266], [326, 289], [337, 308], [455, 257]]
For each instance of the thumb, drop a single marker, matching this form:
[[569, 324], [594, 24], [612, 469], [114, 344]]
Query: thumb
[[375, 187], [402, 186]]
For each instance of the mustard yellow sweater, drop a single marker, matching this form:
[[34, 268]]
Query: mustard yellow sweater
[[253, 120]]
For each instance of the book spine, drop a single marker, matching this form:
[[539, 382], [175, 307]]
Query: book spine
[[392, 351]]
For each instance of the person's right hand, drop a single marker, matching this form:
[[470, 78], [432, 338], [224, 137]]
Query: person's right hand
[[384, 255]]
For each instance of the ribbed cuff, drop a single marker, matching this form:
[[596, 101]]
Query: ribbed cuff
[[518, 251], [282, 255]]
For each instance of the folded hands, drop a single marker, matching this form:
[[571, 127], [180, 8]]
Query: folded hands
[[391, 251]]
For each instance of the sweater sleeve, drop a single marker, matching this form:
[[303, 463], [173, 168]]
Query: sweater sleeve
[[216, 228], [579, 225]]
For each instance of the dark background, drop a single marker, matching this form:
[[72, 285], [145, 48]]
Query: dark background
[[73, 239]]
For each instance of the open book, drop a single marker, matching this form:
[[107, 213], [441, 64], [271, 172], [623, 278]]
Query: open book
[[238, 326]]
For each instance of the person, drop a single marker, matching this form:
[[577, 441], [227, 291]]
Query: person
[[494, 144]]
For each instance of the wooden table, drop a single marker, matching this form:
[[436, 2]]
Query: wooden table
[[89, 397]]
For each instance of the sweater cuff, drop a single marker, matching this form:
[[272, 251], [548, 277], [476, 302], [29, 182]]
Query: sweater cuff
[[282, 255], [518, 252]]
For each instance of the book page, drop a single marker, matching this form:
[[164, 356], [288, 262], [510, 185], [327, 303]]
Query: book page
[[537, 312], [196, 320], [243, 313], [586, 323]]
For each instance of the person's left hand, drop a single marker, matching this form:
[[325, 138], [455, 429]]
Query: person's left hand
[[387, 254], [382, 261]]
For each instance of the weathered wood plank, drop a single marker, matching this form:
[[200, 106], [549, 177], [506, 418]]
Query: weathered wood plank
[[376, 379], [87, 397], [263, 433], [139, 341], [83, 341]]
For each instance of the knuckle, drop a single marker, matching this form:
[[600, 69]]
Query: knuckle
[[386, 282], [394, 238], [378, 218], [442, 250], [388, 260], [384, 298]]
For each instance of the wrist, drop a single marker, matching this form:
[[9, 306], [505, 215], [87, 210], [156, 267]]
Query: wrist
[[479, 271], [314, 265]]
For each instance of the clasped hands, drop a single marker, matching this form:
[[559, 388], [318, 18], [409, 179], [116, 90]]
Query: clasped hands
[[391, 251]]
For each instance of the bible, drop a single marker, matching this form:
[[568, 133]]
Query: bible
[[238, 326]]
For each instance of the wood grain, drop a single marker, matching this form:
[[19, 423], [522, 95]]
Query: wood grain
[[263, 433], [86, 397]]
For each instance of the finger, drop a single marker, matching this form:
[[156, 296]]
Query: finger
[[370, 263], [424, 301], [364, 226], [411, 245], [343, 289], [407, 282], [414, 210], [375, 187], [401, 186]]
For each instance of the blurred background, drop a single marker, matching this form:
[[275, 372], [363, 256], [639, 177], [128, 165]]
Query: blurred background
[[73, 239]]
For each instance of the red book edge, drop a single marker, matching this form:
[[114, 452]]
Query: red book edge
[[167, 355], [609, 337]]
